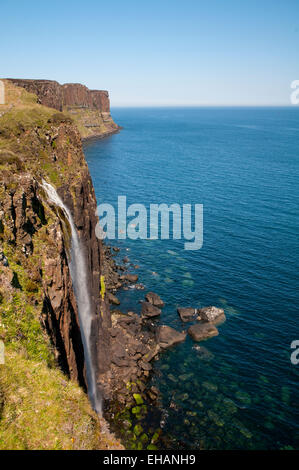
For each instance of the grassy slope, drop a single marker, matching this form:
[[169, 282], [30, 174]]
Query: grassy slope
[[39, 407]]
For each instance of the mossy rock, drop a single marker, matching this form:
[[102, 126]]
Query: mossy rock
[[144, 438], [136, 410], [138, 429], [138, 398], [152, 447]]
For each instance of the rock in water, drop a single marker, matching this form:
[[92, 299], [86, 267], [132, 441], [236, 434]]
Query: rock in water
[[113, 299], [129, 277], [202, 331], [148, 310], [187, 314], [154, 299], [211, 314], [167, 336]]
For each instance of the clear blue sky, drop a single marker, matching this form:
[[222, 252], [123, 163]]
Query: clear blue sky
[[166, 52]]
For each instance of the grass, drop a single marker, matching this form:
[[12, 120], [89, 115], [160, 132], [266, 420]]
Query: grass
[[41, 409]]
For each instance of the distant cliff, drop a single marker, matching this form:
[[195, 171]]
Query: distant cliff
[[90, 109]]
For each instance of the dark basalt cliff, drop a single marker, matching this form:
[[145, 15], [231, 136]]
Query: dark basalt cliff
[[89, 108]]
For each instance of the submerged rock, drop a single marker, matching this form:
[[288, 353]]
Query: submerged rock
[[149, 311], [211, 314], [202, 331], [187, 314], [167, 336], [154, 299], [203, 353]]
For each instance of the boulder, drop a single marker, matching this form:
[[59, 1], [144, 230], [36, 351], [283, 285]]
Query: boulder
[[187, 314], [211, 314], [149, 311], [167, 336], [113, 299], [145, 365], [202, 331], [129, 277], [154, 299], [151, 353]]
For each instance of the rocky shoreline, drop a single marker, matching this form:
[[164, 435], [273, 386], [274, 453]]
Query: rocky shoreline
[[102, 135], [136, 342]]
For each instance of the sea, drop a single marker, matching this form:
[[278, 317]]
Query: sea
[[239, 390]]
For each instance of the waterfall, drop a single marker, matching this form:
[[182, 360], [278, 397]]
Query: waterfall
[[79, 279]]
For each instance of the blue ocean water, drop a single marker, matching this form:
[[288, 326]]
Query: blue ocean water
[[242, 164]]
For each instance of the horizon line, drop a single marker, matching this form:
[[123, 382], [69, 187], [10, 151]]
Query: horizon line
[[204, 106]]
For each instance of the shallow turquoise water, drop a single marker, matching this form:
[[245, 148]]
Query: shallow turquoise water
[[242, 165]]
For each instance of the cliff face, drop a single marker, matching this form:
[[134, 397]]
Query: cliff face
[[49, 147], [38, 311], [89, 108]]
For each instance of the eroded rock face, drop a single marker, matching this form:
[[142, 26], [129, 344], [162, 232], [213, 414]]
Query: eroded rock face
[[49, 92], [202, 331], [27, 225], [101, 100]]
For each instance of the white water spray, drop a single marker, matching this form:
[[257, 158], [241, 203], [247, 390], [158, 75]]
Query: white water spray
[[80, 285]]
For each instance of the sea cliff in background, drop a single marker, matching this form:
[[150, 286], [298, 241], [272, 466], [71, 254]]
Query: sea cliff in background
[[90, 109]]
